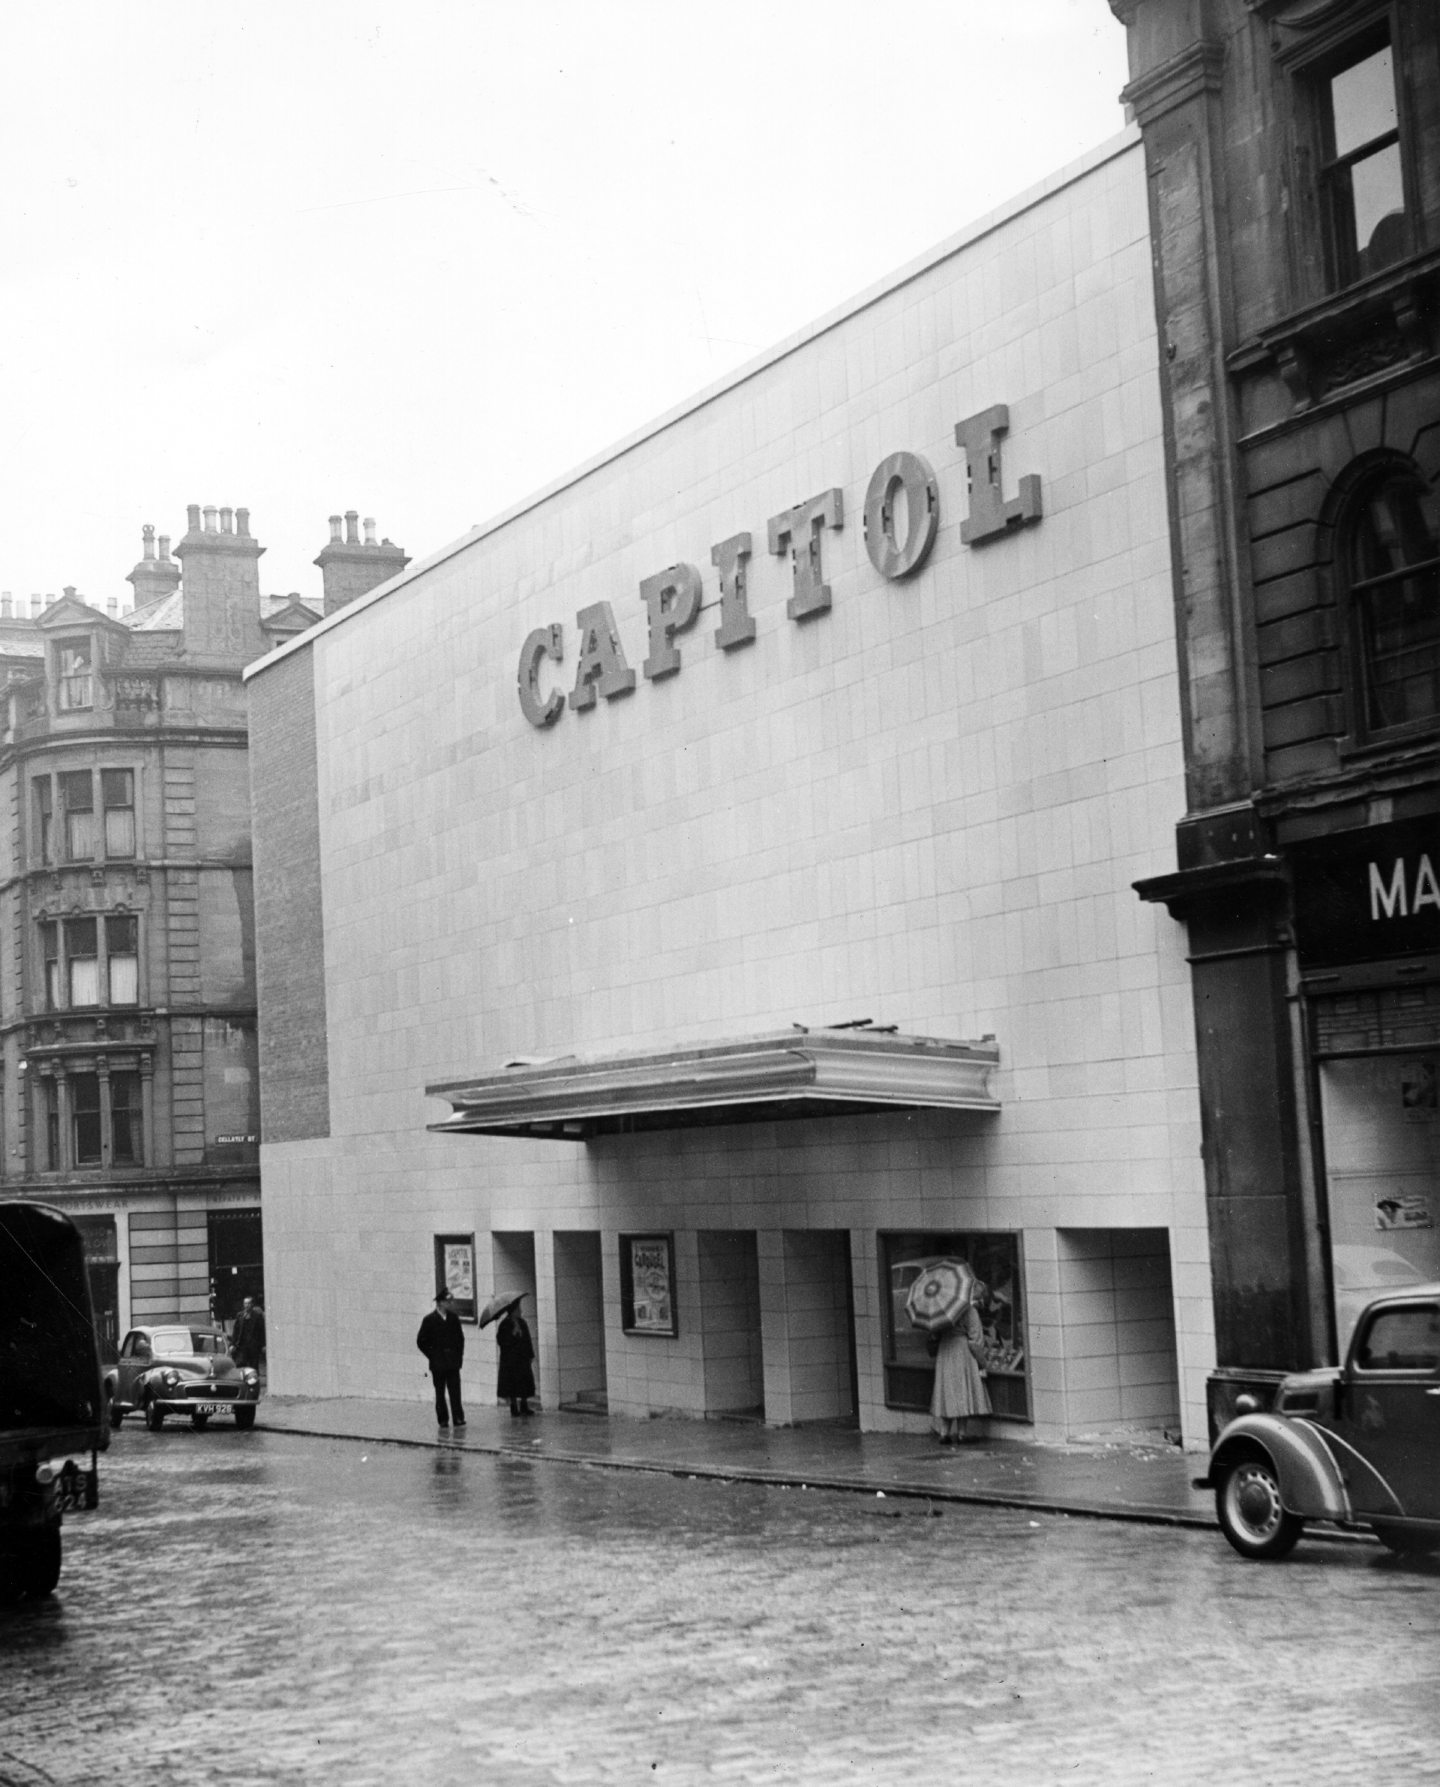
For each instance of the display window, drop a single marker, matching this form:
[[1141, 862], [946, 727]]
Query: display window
[[1381, 1117], [994, 1259]]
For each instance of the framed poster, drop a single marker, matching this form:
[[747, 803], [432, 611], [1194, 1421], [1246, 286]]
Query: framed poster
[[455, 1272], [647, 1284]]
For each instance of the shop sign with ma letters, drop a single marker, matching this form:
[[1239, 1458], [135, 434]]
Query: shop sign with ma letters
[[901, 517]]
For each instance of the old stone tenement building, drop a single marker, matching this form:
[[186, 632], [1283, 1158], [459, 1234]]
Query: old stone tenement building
[[1293, 160], [128, 1085]]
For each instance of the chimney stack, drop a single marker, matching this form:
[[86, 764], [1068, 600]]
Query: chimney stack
[[352, 566], [153, 578], [221, 588]]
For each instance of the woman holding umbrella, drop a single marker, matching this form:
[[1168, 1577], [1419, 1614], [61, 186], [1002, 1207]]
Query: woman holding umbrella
[[515, 1381], [942, 1300]]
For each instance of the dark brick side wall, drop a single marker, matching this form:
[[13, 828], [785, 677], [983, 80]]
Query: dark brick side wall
[[290, 925]]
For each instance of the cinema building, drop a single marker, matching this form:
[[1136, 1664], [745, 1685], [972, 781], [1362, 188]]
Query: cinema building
[[704, 893]]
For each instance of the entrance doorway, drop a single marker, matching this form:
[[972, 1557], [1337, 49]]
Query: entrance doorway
[[512, 1257], [732, 1355], [237, 1261], [580, 1382], [102, 1263]]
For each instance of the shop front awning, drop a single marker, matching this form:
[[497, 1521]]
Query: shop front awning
[[794, 1073]]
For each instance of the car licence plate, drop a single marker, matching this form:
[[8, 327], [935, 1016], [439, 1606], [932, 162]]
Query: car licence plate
[[209, 1408]]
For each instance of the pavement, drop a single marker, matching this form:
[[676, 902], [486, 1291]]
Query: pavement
[[1101, 1478]]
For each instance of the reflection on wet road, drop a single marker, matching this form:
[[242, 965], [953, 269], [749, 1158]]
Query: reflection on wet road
[[275, 1609]]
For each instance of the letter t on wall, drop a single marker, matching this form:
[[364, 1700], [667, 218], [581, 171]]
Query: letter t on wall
[[798, 531], [990, 514]]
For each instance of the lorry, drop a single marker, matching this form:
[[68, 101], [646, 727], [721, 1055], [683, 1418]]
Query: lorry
[[52, 1411]]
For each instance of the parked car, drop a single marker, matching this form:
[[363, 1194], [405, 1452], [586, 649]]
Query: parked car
[[177, 1370], [1357, 1444]]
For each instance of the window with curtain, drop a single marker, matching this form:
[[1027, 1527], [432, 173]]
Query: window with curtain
[[117, 794], [77, 797], [122, 961], [83, 961]]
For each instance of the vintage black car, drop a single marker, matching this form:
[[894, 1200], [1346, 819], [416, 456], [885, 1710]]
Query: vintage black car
[[178, 1369], [1358, 1444]]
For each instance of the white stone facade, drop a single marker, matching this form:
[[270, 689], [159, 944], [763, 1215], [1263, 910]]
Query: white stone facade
[[924, 807]]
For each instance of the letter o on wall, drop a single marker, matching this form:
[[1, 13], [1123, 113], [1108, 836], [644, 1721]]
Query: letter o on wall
[[544, 642], [909, 474]]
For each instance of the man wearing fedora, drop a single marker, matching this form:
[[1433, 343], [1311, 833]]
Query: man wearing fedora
[[442, 1340]]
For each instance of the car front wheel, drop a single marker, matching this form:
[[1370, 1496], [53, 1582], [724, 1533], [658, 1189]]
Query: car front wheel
[[154, 1415], [245, 1415], [117, 1414], [1252, 1515]]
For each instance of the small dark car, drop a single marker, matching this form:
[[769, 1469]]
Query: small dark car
[[1357, 1444], [175, 1369]]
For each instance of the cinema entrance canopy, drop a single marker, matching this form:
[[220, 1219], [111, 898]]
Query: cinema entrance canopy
[[791, 1073]]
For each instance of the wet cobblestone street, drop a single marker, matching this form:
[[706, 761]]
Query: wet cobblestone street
[[265, 1608]]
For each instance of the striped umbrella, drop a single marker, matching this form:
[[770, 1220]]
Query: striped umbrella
[[939, 1296]]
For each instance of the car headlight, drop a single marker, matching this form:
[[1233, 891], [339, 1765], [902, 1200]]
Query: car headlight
[[171, 1380], [251, 1377]]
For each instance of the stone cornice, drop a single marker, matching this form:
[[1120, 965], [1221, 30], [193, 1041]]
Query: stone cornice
[[1195, 72]]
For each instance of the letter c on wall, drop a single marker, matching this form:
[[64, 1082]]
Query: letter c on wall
[[907, 472], [544, 642]]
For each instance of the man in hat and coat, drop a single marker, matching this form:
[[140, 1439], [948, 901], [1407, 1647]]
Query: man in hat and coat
[[442, 1340]]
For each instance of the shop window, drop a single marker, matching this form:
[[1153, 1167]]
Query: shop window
[[117, 795], [87, 962], [77, 801], [75, 685], [44, 820], [1390, 546], [995, 1261], [1361, 177]]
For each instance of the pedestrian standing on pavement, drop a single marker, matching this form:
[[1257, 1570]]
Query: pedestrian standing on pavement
[[442, 1340], [247, 1338], [960, 1393], [516, 1378]]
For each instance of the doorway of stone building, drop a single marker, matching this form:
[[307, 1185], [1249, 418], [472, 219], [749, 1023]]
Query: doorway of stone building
[[512, 1256], [731, 1350], [580, 1382], [237, 1261]]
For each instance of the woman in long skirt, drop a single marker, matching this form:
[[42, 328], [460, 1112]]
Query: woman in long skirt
[[960, 1394]]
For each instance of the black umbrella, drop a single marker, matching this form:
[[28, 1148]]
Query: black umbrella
[[497, 1306]]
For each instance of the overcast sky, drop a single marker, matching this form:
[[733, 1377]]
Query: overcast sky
[[417, 259]]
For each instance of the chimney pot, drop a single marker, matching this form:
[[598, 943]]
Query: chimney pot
[[34, 607], [334, 530], [69, 591], [49, 598], [242, 523], [193, 513], [227, 521], [111, 607], [7, 604], [369, 525], [147, 534], [209, 518], [164, 547], [352, 537]]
